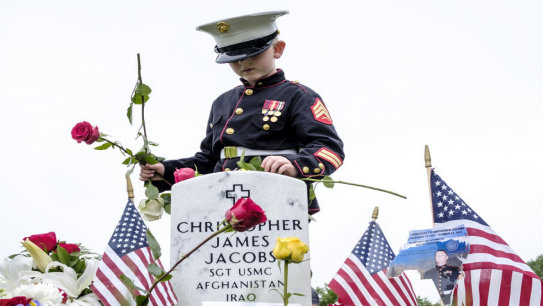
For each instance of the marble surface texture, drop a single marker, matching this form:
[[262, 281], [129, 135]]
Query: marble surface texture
[[237, 267]]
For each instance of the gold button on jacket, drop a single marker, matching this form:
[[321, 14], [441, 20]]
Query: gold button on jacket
[[305, 169], [239, 111], [249, 92], [266, 127], [230, 131], [317, 170]]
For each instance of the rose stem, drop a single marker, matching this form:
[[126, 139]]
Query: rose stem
[[186, 256], [285, 298], [143, 101], [114, 144], [353, 184]]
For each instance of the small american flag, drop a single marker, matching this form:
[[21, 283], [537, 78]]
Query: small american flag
[[494, 274], [361, 281], [128, 254]]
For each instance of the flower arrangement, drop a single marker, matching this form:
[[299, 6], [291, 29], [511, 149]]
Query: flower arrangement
[[48, 273]]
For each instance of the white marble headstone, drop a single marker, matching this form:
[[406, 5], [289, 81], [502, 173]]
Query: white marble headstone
[[241, 267]]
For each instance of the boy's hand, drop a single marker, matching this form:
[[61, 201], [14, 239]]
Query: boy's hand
[[148, 171], [279, 163]]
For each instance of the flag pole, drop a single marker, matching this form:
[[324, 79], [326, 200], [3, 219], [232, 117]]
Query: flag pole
[[375, 213], [429, 170], [130, 190]]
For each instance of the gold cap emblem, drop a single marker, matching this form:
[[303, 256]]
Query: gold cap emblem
[[223, 27]]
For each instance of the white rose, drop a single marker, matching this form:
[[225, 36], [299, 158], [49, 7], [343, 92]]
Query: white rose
[[45, 294], [151, 209]]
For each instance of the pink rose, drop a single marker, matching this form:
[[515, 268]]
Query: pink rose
[[183, 174], [46, 241], [84, 131], [245, 214], [69, 247]]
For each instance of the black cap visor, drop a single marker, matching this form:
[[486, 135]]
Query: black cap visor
[[244, 50]]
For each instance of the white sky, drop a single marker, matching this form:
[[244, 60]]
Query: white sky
[[464, 77]]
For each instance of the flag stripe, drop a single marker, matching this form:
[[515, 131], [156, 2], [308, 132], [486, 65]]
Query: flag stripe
[[405, 293], [388, 289], [512, 267], [130, 260], [360, 293], [515, 289], [369, 283], [536, 293], [504, 297], [475, 248], [99, 295], [397, 284], [159, 289], [483, 287], [526, 285], [494, 283], [341, 288], [120, 292], [490, 236], [410, 289], [468, 288], [359, 285], [171, 295]]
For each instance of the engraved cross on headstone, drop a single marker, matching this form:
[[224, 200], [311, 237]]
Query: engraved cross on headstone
[[237, 192]]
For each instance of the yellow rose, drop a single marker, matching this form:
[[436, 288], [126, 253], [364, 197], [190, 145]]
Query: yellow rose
[[41, 259], [290, 249], [151, 209]]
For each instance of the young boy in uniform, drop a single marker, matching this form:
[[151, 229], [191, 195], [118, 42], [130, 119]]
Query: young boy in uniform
[[285, 123]]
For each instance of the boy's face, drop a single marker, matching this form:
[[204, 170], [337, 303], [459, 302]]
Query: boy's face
[[258, 66]]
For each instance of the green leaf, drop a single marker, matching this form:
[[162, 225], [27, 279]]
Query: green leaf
[[153, 244], [328, 185], [256, 162], [155, 270], [150, 159], [298, 294], [63, 255], [73, 261], [151, 192], [79, 266], [287, 296], [54, 256], [246, 166], [127, 161], [137, 99], [159, 159], [153, 143], [142, 89], [167, 197], [129, 151], [103, 146], [131, 284], [166, 278], [129, 113], [310, 217], [312, 192], [141, 300]]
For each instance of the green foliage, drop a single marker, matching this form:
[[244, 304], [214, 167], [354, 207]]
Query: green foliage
[[129, 113], [63, 255], [130, 284], [142, 300], [328, 184], [151, 192], [312, 193], [167, 197], [253, 165], [155, 270], [326, 295], [142, 90], [536, 265], [425, 302], [153, 244], [103, 146]]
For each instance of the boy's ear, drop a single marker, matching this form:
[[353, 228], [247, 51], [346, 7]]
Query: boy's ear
[[278, 49]]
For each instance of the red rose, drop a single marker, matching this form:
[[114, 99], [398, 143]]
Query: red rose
[[183, 174], [84, 131], [69, 247], [46, 241], [245, 214], [15, 301]]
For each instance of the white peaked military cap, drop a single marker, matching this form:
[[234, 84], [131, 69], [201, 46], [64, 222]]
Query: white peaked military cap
[[241, 37]]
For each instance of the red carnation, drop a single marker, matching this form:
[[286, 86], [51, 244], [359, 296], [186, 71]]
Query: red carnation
[[15, 301], [46, 241], [245, 214], [84, 131]]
